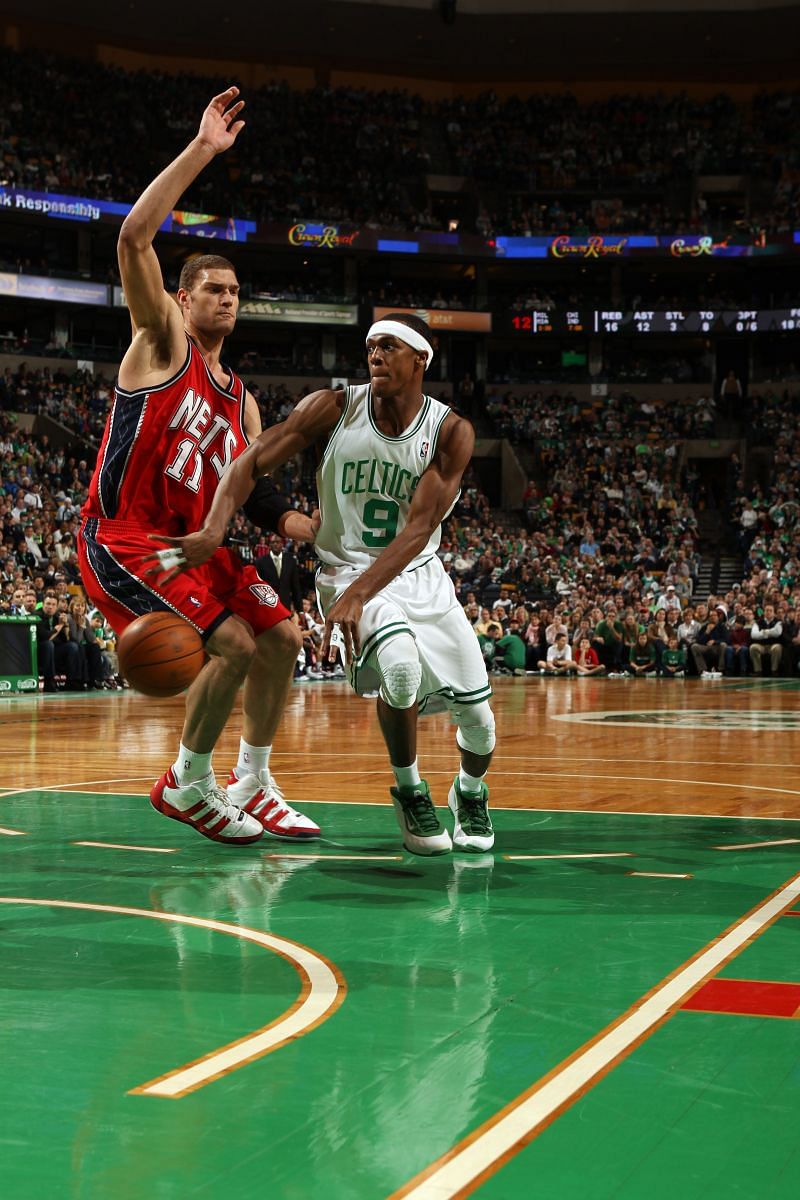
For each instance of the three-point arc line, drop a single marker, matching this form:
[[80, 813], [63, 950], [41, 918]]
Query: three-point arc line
[[323, 989]]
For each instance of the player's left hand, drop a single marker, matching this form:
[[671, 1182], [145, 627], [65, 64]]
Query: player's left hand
[[184, 553], [341, 629]]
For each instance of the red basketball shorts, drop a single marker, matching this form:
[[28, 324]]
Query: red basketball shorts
[[111, 557]]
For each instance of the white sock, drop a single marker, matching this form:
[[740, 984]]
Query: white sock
[[470, 783], [253, 760], [190, 766], [407, 776]]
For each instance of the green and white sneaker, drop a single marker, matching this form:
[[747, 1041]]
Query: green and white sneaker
[[473, 830], [422, 830]]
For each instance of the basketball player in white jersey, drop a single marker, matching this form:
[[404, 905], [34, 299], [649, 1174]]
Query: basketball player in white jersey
[[390, 474]]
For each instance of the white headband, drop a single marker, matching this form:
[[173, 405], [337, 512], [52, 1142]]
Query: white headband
[[405, 334]]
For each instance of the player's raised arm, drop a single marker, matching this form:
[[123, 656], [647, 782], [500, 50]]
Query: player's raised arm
[[434, 497], [159, 340], [313, 418]]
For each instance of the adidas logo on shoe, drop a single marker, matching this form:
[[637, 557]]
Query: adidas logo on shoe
[[264, 800], [206, 808]]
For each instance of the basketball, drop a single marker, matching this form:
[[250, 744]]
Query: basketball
[[160, 654]]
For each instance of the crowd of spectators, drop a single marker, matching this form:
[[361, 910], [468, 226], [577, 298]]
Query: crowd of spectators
[[42, 489], [77, 399], [353, 155], [765, 516], [613, 556], [599, 577], [603, 582], [415, 294], [746, 632], [617, 428]]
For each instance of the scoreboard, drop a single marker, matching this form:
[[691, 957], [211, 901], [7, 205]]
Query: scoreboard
[[562, 321], [639, 321]]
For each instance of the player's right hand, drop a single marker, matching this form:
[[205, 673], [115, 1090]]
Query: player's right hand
[[190, 551], [341, 629]]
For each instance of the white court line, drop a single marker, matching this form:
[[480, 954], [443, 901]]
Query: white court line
[[758, 845], [503, 1135], [13, 832], [119, 846], [592, 776], [630, 812], [532, 857], [323, 990], [589, 776], [88, 783], [342, 857], [60, 787], [603, 812], [56, 787], [290, 757], [592, 758], [658, 875]]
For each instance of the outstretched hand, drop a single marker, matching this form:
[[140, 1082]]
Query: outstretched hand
[[186, 552], [219, 128]]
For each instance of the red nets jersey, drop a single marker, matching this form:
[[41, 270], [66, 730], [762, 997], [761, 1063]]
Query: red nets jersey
[[165, 449]]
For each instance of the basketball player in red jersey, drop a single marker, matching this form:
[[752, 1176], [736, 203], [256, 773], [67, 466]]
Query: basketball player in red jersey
[[178, 420]]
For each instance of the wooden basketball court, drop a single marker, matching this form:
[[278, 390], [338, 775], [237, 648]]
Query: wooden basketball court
[[605, 1006]]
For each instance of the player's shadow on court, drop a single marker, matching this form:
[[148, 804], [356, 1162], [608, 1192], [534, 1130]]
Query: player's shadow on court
[[416, 881]]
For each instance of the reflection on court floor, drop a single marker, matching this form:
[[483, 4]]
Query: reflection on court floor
[[602, 1007]]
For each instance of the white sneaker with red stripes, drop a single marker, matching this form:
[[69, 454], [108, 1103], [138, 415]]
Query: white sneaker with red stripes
[[260, 796], [206, 808]]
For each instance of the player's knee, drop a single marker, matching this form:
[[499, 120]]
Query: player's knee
[[284, 640], [233, 642], [240, 655], [400, 671], [476, 729], [400, 684]]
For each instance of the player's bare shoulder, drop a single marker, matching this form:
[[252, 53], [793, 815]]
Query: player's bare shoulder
[[319, 412], [455, 445]]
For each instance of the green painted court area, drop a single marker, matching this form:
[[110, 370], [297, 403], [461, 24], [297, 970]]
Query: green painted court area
[[468, 980]]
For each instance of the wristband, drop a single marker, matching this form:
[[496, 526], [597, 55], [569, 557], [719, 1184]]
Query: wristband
[[265, 505]]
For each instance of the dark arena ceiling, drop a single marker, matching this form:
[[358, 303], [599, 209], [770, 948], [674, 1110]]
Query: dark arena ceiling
[[480, 40]]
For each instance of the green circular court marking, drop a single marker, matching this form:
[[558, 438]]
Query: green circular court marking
[[690, 718]]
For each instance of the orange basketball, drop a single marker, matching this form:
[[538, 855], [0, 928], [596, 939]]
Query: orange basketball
[[160, 654]]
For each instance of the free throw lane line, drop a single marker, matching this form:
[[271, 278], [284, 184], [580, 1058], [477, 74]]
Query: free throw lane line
[[341, 857], [121, 846], [658, 875], [599, 854], [466, 1165], [322, 991], [758, 845]]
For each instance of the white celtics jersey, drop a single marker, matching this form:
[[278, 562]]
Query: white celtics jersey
[[366, 481]]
